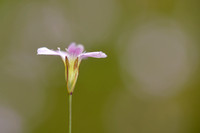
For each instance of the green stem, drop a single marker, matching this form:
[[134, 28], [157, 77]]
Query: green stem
[[70, 113]]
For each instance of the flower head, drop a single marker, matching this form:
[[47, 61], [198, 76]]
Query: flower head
[[72, 58]]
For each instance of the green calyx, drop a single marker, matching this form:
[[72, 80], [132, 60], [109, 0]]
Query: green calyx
[[71, 73]]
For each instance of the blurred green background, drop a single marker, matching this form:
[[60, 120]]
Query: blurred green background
[[149, 83]]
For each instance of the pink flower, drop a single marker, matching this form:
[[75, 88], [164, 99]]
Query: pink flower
[[72, 58]]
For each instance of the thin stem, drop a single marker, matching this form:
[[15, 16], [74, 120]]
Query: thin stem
[[70, 113]]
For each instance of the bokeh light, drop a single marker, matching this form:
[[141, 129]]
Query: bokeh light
[[10, 121], [159, 54]]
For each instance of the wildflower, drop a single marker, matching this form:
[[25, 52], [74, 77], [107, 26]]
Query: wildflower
[[72, 58]]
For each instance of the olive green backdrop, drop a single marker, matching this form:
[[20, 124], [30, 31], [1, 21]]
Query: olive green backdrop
[[149, 83]]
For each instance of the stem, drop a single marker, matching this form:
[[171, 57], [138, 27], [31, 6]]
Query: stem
[[70, 113]]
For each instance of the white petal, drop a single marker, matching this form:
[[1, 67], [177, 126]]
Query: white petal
[[93, 54], [46, 51]]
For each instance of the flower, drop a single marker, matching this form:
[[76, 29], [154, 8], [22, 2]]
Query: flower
[[72, 58]]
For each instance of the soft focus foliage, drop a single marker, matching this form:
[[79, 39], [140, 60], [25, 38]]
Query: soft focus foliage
[[148, 84]]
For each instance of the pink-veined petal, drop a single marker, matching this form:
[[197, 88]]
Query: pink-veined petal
[[46, 51], [93, 54], [74, 49]]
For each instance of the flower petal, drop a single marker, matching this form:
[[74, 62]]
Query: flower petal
[[75, 50], [93, 54], [46, 51]]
